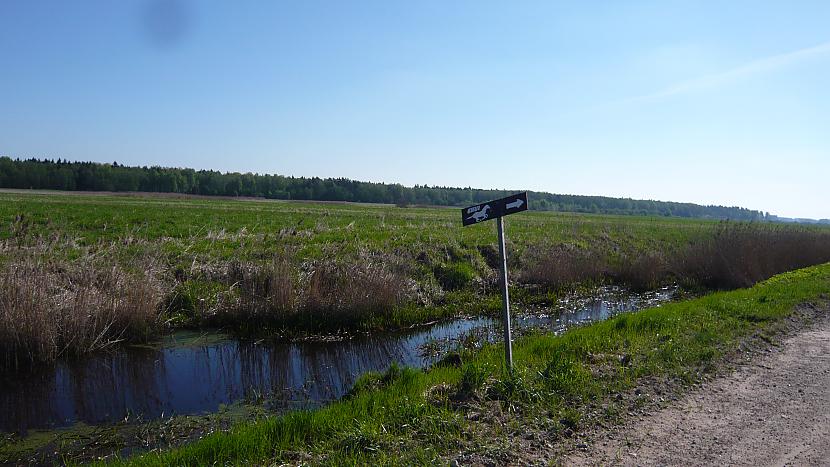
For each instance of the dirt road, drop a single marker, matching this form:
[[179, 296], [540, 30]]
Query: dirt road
[[772, 411]]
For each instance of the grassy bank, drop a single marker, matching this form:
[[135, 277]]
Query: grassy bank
[[309, 268], [561, 385]]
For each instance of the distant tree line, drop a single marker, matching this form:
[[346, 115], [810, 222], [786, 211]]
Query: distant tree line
[[93, 176]]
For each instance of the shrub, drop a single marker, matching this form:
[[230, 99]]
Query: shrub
[[564, 375], [196, 299]]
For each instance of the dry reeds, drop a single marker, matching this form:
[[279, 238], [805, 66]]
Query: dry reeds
[[353, 289], [264, 290], [52, 308], [735, 255], [642, 271], [740, 255], [324, 292], [563, 266]]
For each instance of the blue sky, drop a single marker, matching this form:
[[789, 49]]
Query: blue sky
[[708, 102]]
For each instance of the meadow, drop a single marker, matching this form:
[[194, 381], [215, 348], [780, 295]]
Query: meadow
[[82, 272]]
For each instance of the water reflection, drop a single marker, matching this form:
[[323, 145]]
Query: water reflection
[[198, 377]]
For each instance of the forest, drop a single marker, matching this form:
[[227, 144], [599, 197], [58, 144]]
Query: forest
[[93, 176]]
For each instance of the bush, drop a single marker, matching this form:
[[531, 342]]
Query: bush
[[473, 377], [196, 299], [564, 375]]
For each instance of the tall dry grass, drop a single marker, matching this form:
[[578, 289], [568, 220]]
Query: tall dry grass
[[734, 256], [265, 290], [562, 266], [348, 290], [740, 255], [50, 309], [315, 294], [642, 271]]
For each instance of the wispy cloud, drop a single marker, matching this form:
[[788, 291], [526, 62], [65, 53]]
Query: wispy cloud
[[754, 67]]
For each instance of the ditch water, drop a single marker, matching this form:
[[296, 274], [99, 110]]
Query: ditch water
[[191, 373]]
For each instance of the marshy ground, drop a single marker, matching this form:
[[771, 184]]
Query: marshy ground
[[565, 389], [84, 274]]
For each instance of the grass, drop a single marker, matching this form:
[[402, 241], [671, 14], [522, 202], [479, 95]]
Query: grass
[[82, 442], [733, 255], [561, 385], [242, 229], [310, 268], [49, 309]]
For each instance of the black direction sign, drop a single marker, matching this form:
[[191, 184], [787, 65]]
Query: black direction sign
[[494, 209]]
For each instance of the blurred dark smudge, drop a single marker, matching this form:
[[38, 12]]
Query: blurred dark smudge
[[165, 21]]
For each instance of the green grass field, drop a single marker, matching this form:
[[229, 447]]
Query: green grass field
[[222, 228]]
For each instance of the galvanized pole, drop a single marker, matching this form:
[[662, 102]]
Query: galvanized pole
[[508, 345]]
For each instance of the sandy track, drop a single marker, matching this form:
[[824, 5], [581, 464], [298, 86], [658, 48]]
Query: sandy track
[[772, 411]]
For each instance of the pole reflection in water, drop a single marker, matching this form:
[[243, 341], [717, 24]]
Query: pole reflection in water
[[187, 378]]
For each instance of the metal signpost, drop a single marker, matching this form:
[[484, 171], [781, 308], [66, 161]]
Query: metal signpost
[[497, 209]]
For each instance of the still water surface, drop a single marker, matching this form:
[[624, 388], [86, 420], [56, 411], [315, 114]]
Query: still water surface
[[190, 373]]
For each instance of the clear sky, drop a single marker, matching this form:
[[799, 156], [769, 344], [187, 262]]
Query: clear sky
[[714, 102]]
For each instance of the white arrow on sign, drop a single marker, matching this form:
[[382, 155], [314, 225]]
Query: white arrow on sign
[[515, 204]]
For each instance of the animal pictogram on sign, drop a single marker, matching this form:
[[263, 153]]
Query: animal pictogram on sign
[[480, 215]]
